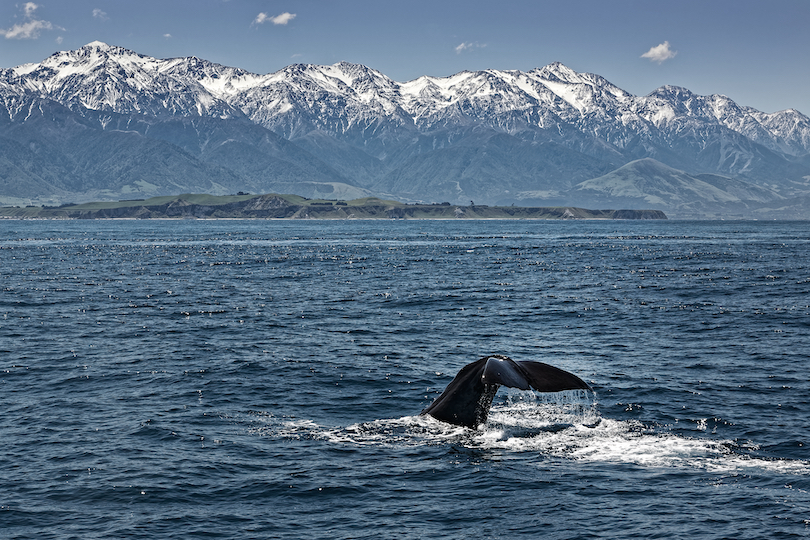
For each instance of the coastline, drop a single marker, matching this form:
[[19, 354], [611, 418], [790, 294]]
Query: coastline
[[286, 207]]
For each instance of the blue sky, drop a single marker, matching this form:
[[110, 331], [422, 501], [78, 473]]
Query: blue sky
[[755, 52]]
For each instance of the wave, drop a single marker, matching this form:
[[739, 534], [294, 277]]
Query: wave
[[565, 428]]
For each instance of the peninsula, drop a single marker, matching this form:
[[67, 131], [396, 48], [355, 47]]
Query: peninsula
[[274, 206]]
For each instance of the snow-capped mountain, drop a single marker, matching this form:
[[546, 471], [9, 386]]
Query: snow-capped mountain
[[112, 79], [492, 135]]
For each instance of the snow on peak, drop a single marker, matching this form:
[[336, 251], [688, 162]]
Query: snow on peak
[[559, 71], [97, 45], [669, 90], [99, 75], [24, 69]]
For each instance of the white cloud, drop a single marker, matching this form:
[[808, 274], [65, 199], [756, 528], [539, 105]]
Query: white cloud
[[98, 14], [460, 48], [29, 8], [27, 30], [31, 28], [659, 53], [167, 36], [59, 40], [283, 18]]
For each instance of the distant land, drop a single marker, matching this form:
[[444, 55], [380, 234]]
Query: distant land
[[104, 123], [274, 206]]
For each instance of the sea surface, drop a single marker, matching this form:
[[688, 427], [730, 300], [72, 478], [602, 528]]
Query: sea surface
[[263, 379]]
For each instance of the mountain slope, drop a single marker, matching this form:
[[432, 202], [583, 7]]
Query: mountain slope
[[647, 183], [63, 154]]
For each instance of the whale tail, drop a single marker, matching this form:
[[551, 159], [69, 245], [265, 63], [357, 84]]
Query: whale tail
[[468, 397]]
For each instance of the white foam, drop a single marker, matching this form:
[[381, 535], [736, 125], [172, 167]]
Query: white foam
[[561, 427]]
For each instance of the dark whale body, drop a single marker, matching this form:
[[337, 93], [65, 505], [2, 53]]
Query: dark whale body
[[466, 400]]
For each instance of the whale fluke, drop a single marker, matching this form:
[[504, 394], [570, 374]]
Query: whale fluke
[[466, 400]]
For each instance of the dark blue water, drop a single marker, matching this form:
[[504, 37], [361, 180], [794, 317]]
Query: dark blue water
[[251, 379]]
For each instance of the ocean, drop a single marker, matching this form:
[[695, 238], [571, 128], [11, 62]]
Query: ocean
[[263, 379]]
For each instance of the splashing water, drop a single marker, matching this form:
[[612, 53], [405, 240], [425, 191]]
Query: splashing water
[[530, 409], [562, 425]]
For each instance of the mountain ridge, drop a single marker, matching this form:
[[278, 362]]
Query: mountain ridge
[[491, 135]]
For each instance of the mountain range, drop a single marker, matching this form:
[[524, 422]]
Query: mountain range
[[105, 123]]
